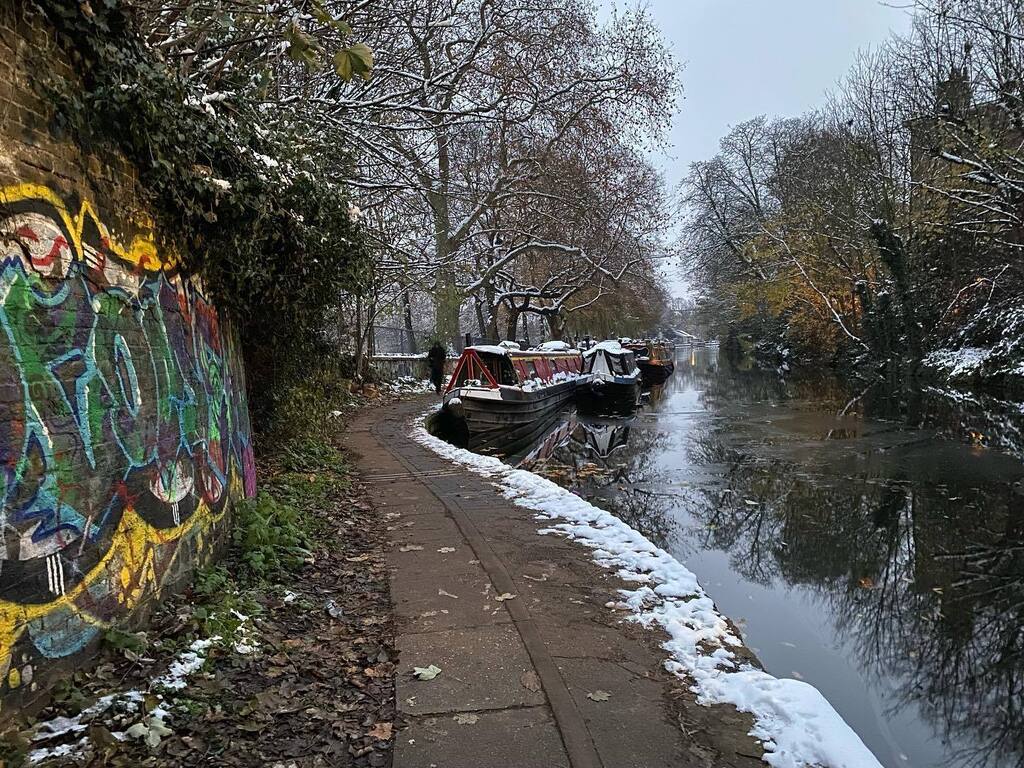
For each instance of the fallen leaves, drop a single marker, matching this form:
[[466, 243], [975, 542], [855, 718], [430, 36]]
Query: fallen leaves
[[446, 550], [426, 673], [322, 691], [599, 696], [505, 596], [152, 731]]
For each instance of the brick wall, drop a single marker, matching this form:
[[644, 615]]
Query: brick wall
[[124, 432]]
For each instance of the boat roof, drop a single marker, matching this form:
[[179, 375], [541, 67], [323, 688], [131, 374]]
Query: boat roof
[[489, 349], [492, 349], [610, 346]]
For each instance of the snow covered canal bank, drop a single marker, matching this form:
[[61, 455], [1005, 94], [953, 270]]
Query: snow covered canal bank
[[795, 724]]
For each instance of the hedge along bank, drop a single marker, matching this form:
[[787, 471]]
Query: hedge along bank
[[124, 430]]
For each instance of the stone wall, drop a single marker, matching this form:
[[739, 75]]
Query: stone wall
[[124, 432], [391, 367]]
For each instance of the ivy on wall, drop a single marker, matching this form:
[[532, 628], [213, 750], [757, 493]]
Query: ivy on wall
[[248, 210]]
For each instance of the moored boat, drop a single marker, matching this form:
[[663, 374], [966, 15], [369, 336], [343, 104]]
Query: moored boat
[[612, 379], [655, 360], [498, 395]]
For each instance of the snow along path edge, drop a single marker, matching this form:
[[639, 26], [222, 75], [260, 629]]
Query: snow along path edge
[[795, 724]]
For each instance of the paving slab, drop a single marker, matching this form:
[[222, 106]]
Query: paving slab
[[481, 668], [632, 727], [527, 738], [433, 529]]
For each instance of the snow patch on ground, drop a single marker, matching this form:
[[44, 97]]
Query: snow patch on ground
[[187, 664], [127, 705], [796, 725], [408, 385]]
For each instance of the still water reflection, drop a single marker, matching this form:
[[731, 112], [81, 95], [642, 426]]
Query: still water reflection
[[874, 548]]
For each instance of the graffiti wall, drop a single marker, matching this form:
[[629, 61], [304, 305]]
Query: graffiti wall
[[123, 427]]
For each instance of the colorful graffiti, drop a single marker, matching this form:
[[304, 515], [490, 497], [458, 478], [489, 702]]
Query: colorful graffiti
[[123, 426]]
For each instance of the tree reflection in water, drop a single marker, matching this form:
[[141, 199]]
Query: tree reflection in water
[[886, 507]]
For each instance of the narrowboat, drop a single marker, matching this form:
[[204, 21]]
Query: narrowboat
[[498, 395], [655, 360], [613, 379]]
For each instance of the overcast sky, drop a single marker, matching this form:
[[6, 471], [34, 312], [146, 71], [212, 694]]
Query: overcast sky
[[749, 57], [745, 58]]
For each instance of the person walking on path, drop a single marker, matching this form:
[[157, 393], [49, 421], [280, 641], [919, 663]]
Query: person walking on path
[[435, 359]]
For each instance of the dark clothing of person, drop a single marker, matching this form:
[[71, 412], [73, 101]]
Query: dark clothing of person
[[435, 359]]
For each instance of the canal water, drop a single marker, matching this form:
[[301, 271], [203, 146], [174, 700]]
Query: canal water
[[870, 545]]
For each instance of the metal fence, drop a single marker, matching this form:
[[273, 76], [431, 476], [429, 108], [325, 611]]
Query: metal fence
[[385, 340]]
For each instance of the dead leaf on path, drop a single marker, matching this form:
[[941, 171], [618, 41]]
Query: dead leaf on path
[[358, 558], [599, 696], [381, 731], [530, 681], [865, 583], [442, 593], [151, 732], [427, 673], [446, 550], [410, 548], [505, 596], [466, 718]]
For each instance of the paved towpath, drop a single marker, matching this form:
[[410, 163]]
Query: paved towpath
[[550, 678]]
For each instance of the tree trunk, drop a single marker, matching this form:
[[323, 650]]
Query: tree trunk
[[358, 361], [480, 321], [513, 323], [447, 296], [492, 309], [894, 256], [407, 309], [492, 327], [556, 323]]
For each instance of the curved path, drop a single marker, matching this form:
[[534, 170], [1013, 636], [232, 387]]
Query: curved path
[[546, 679]]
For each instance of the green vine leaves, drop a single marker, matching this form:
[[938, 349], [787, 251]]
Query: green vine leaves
[[349, 61]]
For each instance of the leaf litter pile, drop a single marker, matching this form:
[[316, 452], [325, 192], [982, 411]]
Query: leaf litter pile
[[282, 655]]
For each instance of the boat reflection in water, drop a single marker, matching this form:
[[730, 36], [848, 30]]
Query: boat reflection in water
[[866, 541], [601, 439]]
